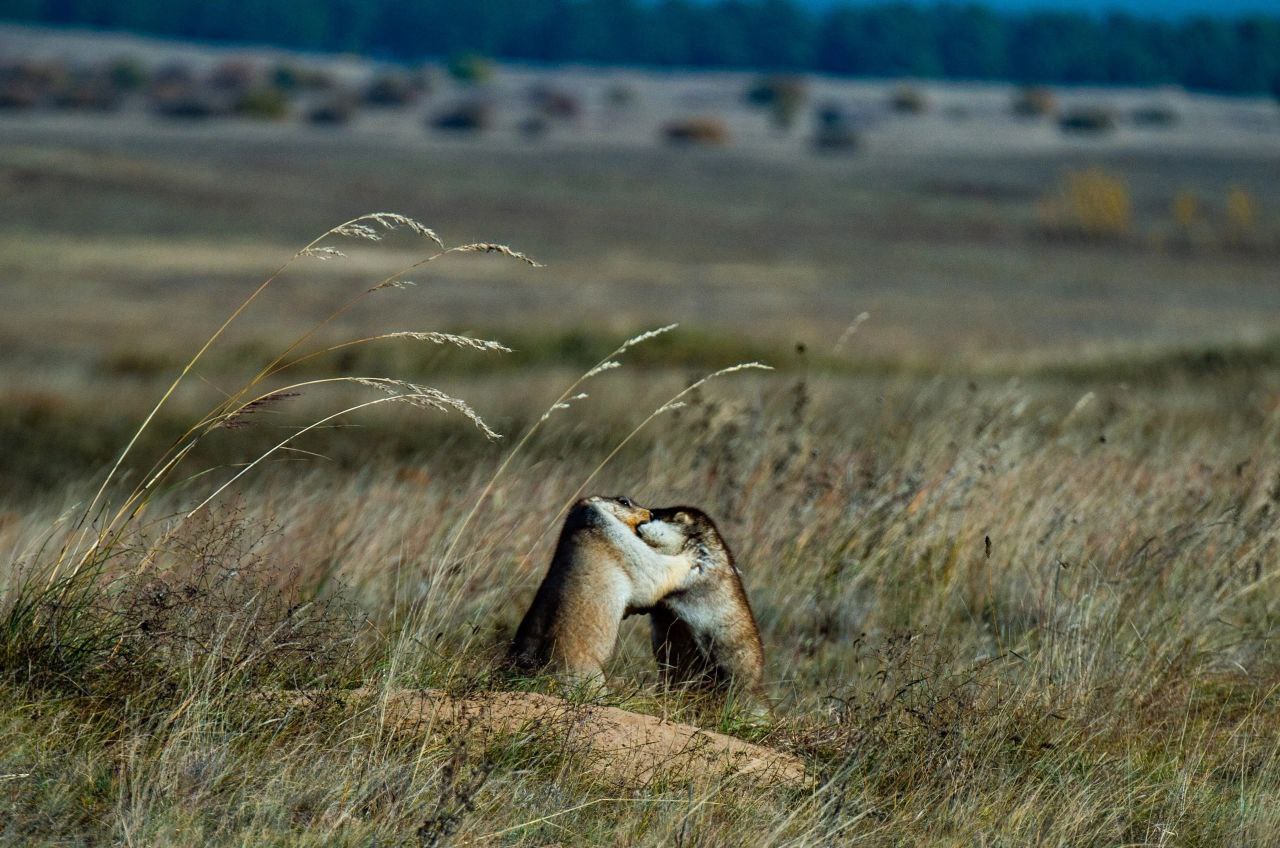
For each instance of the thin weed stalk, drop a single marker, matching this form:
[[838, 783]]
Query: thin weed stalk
[[136, 500], [606, 364]]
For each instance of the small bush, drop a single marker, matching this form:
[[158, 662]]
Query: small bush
[[264, 102], [555, 104], [189, 104], [234, 75], [335, 111], [470, 68], [424, 79], [784, 97], [1090, 204], [120, 630], [908, 100], [835, 131], [710, 132], [1088, 120], [1154, 116], [285, 77], [620, 96], [1242, 216], [393, 90], [127, 74], [533, 127], [18, 94], [1185, 209], [24, 85], [88, 93], [469, 116], [171, 79], [311, 79], [43, 75], [1035, 102]]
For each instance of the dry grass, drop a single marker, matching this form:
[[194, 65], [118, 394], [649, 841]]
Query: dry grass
[[1006, 612], [1012, 540], [1006, 599]]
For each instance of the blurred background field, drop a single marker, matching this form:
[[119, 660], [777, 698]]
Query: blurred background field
[[1006, 507], [979, 229]]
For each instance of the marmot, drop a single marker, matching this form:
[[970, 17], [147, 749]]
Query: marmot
[[704, 634], [601, 571]]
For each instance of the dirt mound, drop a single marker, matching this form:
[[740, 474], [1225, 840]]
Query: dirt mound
[[622, 746]]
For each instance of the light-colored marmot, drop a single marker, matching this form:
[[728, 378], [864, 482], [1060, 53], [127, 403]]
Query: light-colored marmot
[[601, 571], [704, 634]]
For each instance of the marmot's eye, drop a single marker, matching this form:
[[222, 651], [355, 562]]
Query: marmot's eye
[[626, 502]]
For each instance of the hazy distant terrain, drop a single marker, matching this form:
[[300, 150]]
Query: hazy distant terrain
[[1169, 9], [1006, 507], [924, 224]]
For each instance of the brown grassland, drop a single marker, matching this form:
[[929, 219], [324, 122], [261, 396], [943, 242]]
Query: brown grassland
[[1013, 540]]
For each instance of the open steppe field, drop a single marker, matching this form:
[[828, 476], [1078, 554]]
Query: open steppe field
[[1011, 538]]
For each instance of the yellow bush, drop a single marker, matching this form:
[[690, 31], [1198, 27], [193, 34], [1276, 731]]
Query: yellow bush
[[1091, 203], [1242, 215], [1186, 210]]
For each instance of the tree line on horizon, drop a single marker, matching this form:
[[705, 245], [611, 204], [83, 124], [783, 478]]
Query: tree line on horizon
[[890, 40]]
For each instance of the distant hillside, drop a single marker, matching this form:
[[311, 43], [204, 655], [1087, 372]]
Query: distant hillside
[[952, 40], [1143, 8]]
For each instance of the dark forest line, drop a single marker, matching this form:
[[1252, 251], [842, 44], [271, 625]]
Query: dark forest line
[[892, 40]]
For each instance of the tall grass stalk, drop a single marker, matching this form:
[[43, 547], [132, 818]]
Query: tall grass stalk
[[133, 503], [671, 404], [608, 363]]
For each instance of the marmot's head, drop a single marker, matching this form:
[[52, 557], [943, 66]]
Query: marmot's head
[[685, 529], [597, 510]]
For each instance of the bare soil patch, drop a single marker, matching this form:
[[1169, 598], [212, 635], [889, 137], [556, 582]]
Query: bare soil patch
[[624, 747]]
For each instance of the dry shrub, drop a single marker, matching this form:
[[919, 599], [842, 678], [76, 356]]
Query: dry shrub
[[835, 131], [334, 111], [263, 102], [1087, 120], [470, 68], [190, 103], [26, 84], [708, 132], [908, 100], [1155, 116], [467, 116], [1190, 223], [18, 94], [554, 104], [782, 95], [1089, 204], [533, 127], [394, 90], [169, 81], [300, 77], [234, 75], [1035, 102], [204, 600], [1243, 213], [88, 91], [1237, 224], [127, 73], [620, 96]]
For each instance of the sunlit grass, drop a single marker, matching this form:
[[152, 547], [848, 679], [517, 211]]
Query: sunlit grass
[[1031, 609]]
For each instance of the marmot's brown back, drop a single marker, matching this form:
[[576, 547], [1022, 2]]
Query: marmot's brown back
[[704, 635]]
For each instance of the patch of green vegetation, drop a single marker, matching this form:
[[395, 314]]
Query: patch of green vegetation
[[1205, 362]]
